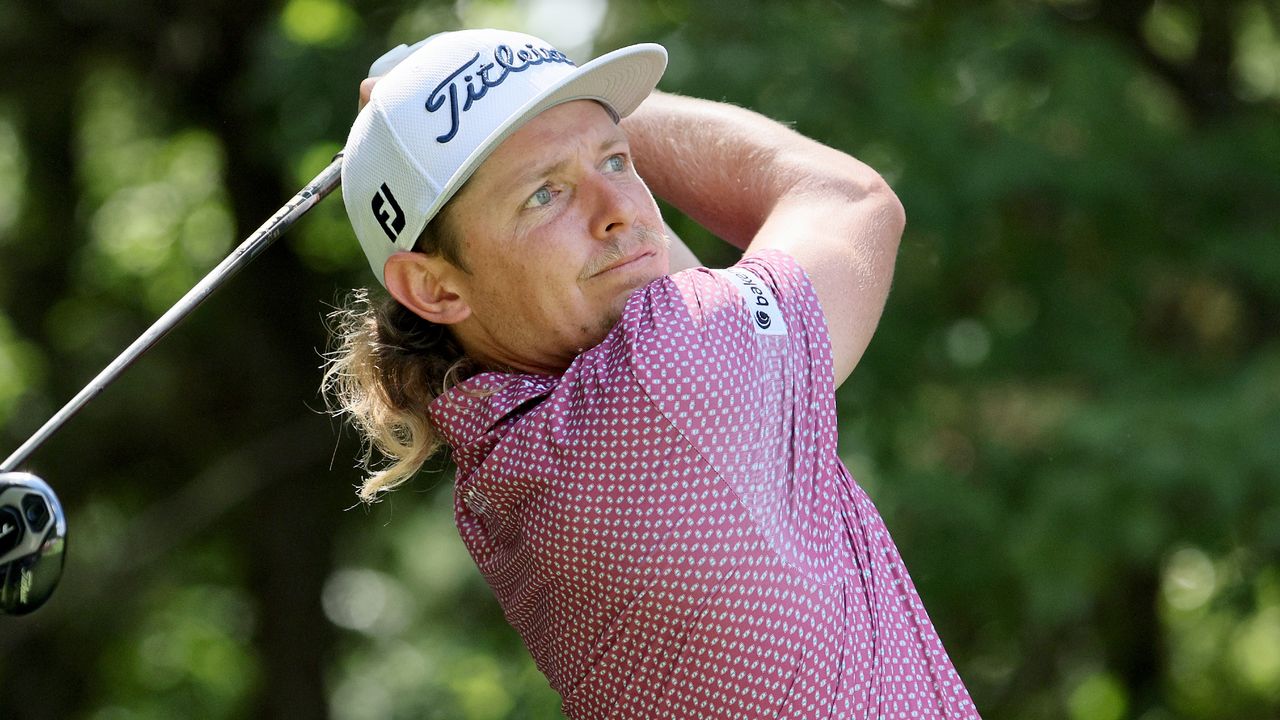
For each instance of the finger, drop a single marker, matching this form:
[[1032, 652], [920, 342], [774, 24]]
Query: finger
[[366, 89]]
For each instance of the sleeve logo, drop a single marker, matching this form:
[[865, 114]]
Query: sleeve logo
[[762, 308], [391, 224]]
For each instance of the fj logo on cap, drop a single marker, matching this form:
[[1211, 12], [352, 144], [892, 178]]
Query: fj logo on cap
[[762, 308], [391, 224], [478, 82]]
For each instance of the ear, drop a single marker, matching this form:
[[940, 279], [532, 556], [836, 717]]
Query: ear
[[421, 283]]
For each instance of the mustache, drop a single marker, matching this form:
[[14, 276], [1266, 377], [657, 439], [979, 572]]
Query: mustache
[[640, 238]]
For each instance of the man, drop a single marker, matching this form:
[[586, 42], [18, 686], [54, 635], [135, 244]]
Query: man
[[647, 467]]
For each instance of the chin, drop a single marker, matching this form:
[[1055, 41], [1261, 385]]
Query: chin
[[607, 323], [614, 308]]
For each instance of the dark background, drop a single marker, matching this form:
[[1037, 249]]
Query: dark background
[[1070, 416]]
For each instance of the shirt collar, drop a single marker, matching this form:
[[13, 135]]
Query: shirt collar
[[467, 412]]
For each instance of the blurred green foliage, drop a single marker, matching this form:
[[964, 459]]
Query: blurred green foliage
[[1070, 416]]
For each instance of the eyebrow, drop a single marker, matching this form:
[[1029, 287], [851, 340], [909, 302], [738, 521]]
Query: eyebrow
[[552, 168]]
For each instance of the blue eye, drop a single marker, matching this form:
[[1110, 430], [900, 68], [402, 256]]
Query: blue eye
[[540, 198], [616, 163]]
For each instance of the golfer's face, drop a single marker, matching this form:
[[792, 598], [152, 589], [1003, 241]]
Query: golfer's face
[[557, 231]]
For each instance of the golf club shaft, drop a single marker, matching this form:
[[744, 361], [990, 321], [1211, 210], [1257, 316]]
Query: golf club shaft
[[261, 239]]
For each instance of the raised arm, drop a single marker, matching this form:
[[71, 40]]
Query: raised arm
[[757, 184]]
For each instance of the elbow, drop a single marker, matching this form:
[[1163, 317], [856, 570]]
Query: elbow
[[883, 214], [895, 218], [876, 203], [893, 213]]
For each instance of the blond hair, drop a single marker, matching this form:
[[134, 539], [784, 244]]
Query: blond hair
[[384, 366]]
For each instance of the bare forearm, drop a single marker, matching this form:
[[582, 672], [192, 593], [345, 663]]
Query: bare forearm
[[727, 167]]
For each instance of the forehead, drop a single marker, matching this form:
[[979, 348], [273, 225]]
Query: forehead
[[547, 139]]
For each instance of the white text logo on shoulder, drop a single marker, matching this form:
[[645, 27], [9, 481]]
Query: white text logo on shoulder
[[762, 308]]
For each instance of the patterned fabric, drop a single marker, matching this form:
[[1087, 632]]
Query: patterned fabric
[[669, 528]]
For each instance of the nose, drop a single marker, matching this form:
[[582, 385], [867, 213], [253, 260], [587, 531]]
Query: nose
[[612, 210]]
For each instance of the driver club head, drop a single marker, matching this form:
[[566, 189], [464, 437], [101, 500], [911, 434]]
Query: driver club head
[[33, 541]]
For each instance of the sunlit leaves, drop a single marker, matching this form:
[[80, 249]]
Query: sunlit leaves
[[324, 239], [13, 163], [1190, 580], [1098, 697], [318, 22], [1256, 652], [189, 658], [20, 368], [570, 25], [1172, 30], [367, 601], [1223, 619], [1258, 59], [158, 213]]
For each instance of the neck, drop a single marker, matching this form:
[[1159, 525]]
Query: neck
[[479, 345]]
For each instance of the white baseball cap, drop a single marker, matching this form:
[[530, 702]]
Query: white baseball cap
[[448, 101]]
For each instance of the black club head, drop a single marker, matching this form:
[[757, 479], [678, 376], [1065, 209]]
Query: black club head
[[33, 541]]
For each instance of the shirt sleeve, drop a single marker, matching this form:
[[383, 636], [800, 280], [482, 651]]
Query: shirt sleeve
[[739, 361]]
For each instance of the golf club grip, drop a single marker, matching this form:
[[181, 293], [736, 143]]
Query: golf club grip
[[261, 239]]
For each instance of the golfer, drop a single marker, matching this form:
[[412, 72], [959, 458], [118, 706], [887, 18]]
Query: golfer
[[647, 473]]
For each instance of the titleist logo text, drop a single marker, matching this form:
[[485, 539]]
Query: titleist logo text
[[483, 78]]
